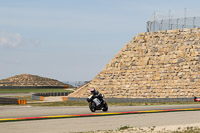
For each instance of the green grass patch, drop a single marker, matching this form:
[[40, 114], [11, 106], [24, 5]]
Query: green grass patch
[[187, 130], [67, 103], [28, 98], [124, 127], [153, 103], [85, 103], [29, 90]]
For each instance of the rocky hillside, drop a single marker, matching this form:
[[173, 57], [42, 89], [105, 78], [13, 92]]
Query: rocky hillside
[[163, 64], [30, 80]]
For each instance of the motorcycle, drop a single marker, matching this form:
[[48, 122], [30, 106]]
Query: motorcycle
[[196, 99], [97, 104]]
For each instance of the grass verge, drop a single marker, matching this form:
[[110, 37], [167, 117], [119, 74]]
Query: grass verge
[[29, 90], [150, 103], [68, 103], [84, 103]]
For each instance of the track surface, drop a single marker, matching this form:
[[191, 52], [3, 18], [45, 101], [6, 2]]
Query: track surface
[[92, 123], [27, 111]]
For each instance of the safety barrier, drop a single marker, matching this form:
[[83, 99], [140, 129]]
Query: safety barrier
[[4, 100], [41, 96], [52, 94], [22, 101], [64, 98], [8, 100], [147, 100]]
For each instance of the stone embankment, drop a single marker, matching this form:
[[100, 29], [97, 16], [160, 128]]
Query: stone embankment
[[164, 64]]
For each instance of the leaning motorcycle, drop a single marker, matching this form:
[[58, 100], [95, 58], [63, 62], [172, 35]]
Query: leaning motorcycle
[[97, 104]]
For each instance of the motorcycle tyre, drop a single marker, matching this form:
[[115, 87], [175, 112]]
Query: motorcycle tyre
[[92, 107], [105, 107]]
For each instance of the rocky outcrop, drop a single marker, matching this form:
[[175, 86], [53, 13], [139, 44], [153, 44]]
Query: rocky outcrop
[[164, 64], [30, 80]]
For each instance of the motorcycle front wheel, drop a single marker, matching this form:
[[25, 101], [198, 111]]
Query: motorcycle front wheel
[[92, 106]]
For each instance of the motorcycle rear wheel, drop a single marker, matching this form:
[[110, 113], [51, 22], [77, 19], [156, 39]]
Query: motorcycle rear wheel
[[105, 107]]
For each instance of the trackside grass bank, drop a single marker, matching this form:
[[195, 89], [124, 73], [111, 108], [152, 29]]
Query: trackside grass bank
[[73, 103], [29, 90]]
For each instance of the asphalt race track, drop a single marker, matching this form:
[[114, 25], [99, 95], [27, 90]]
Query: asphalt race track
[[93, 123]]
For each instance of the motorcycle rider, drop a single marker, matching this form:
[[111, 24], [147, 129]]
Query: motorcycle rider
[[96, 94]]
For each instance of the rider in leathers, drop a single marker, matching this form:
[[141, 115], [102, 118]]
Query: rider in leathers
[[96, 94]]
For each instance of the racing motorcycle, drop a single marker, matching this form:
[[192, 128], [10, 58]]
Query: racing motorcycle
[[97, 104]]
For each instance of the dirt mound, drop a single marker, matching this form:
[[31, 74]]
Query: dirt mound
[[30, 80]]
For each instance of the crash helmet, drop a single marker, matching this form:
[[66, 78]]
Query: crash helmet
[[92, 90]]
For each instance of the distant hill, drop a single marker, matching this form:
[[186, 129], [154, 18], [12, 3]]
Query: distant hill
[[30, 80]]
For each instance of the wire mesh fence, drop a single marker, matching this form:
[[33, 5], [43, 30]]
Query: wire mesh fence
[[169, 24]]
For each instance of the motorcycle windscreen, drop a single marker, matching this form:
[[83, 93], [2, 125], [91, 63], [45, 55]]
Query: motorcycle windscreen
[[97, 101]]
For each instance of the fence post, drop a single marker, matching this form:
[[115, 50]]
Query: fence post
[[194, 22], [185, 22], [161, 22], [169, 24], [185, 17], [149, 26], [177, 23]]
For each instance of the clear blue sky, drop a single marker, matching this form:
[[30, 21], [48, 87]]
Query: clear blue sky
[[72, 40]]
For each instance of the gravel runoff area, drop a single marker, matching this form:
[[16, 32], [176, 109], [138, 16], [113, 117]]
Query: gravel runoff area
[[189, 128]]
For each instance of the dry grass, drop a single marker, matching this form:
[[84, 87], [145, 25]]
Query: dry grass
[[129, 129]]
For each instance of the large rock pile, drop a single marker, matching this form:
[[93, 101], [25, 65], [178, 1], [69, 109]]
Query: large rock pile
[[164, 64], [30, 80]]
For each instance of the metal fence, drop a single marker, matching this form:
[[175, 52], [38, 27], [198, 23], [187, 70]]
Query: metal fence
[[169, 24]]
